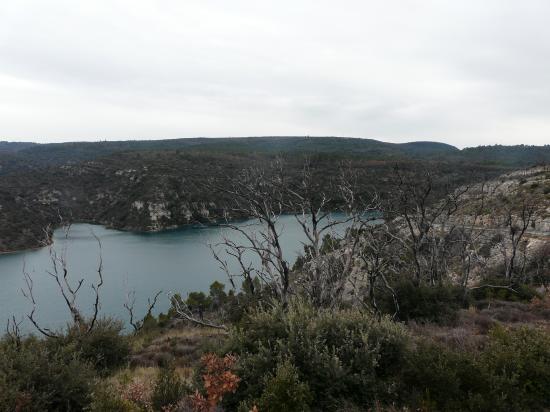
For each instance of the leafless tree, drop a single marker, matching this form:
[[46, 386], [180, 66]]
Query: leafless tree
[[516, 219], [130, 304], [541, 263], [380, 261], [264, 194], [68, 289], [13, 331], [314, 202], [258, 193], [470, 234], [426, 210]]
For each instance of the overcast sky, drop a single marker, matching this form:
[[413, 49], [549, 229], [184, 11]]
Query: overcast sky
[[465, 72]]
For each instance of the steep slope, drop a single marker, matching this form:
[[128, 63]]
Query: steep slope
[[154, 190]]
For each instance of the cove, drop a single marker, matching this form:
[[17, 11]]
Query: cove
[[179, 261]]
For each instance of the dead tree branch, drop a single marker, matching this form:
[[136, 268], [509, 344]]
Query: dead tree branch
[[130, 304], [68, 290], [184, 312]]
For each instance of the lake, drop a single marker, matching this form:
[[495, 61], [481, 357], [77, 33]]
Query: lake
[[177, 260]]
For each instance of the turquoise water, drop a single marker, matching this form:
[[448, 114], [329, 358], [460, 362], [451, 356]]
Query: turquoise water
[[177, 261]]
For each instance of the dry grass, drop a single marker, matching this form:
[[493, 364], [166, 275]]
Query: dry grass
[[473, 325], [183, 347]]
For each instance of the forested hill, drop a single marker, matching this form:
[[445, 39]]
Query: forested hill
[[158, 184], [12, 147], [520, 155], [39, 155], [14, 156]]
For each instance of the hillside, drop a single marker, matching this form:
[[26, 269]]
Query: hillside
[[159, 184], [13, 147], [519, 155], [35, 156], [154, 190], [28, 156]]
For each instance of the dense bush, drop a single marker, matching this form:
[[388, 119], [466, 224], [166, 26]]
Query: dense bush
[[285, 392], [337, 354], [106, 397], [512, 373], [169, 389], [301, 358], [39, 376], [104, 346], [294, 359], [518, 364], [425, 303], [520, 292], [439, 378], [59, 373]]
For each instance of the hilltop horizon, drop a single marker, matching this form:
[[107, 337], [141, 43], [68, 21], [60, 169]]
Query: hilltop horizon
[[29, 142]]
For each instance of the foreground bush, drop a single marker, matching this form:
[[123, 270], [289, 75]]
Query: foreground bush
[[169, 389], [107, 397], [512, 373], [439, 378], [216, 380], [518, 366], [104, 347], [520, 293], [337, 355], [59, 373], [304, 358], [425, 303], [285, 392], [38, 376]]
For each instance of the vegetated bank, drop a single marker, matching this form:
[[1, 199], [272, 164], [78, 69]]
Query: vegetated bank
[[419, 313]]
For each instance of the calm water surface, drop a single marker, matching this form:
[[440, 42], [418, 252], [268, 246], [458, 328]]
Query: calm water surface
[[178, 261]]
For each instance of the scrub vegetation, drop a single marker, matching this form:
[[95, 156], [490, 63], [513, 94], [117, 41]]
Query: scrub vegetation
[[434, 297]]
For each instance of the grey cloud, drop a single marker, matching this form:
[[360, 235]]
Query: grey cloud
[[465, 72]]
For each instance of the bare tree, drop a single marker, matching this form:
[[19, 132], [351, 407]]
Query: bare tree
[[516, 219], [377, 252], [328, 273], [426, 210], [264, 194], [13, 331], [470, 234], [541, 263], [314, 202], [68, 289], [129, 305], [258, 193]]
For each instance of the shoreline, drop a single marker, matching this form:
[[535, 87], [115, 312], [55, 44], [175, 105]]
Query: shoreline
[[29, 249], [128, 230]]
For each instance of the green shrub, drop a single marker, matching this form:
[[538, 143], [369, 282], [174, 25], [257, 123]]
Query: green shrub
[[512, 373], [198, 301], [169, 389], [284, 391], [438, 378], [425, 303], [106, 397], [218, 297], [104, 346], [39, 376], [339, 354], [520, 292], [518, 363]]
